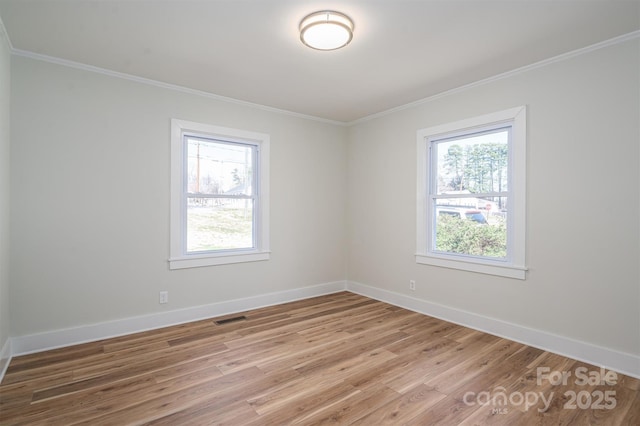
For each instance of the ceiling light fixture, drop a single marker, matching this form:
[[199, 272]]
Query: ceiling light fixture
[[326, 30]]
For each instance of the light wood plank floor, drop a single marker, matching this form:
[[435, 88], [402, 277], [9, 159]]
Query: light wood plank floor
[[340, 358]]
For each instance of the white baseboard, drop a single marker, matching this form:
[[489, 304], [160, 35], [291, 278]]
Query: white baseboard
[[5, 358], [618, 361], [23, 345], [621, 362]]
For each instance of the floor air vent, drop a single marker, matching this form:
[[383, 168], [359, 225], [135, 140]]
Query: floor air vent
[[228, 320]]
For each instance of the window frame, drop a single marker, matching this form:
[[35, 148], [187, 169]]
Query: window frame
[[514, 265], [179, 258]]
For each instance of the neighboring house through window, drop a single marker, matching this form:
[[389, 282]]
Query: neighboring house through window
[[219, 195], [471, 194]]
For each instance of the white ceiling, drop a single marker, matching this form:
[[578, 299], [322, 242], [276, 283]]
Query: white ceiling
[[250, 50]]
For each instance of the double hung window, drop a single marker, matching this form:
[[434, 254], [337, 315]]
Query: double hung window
[[219, 195], [471, 194]]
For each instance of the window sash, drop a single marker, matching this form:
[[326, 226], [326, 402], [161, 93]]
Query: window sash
[[435, 195], [254, 196], [215, 238]]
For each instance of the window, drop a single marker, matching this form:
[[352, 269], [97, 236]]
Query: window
[[219, 195], [471, 194]]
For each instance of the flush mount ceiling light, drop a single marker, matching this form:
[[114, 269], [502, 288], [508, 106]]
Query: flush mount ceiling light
[[326, 30]]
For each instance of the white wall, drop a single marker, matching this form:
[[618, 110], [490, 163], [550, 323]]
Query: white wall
[[5, 96], [582, 201], [90, 200]]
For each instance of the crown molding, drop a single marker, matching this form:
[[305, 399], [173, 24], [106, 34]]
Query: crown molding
[[559, 58], [169, 86]]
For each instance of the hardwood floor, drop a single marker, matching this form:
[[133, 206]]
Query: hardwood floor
[[341, 358]]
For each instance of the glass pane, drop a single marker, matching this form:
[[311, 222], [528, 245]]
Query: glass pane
[[216, 167], [472, 164], [480, 231], [219, 224]]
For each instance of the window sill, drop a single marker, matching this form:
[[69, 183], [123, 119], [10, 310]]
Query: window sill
[[199, 260], [509, 271]]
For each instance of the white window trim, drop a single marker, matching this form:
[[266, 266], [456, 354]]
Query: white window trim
[[178, 258], [514, 266]]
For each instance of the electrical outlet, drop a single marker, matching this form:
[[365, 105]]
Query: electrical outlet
[[164, 297], [412, 285]]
